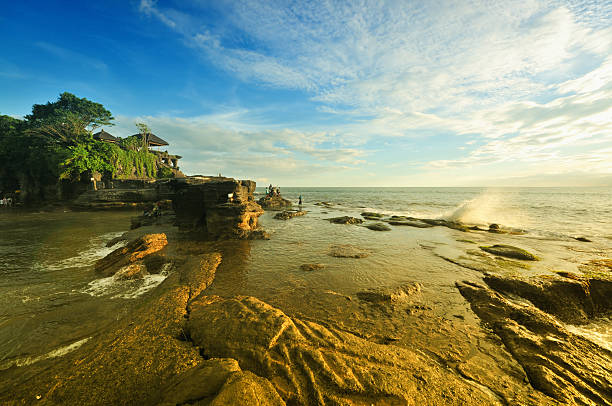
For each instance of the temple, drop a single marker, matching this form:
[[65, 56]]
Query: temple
[[151, 140]]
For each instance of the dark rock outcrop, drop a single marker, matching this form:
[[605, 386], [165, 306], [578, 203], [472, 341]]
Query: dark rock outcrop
[[509, 251], [563, 365], [368, 215], [275, 202], [289, 214], [218, 209], [571, 298], [133, 252], [410, 223], [345, 220], [378, 227]]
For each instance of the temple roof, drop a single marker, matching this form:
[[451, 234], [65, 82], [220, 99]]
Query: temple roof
[[104, 136], [153, 140]]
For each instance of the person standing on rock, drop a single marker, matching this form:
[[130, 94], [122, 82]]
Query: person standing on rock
[[300, 201]]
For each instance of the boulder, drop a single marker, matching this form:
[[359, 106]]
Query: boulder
[[369, 215], [134, 251], [509, 251], [132, 271], [347, 251], [378, 227], [390, 295], [495, 228], [289, 214], [199, 382], [345, 220], [274, 202]]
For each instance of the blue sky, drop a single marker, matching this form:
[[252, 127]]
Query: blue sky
[[335, 93]]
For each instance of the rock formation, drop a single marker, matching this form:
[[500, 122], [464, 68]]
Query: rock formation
[[563, 365], [307, 363], [275, 202], [289, 214], [345, 220], [509, 251], [218, 209], [130, 256], [378, 227]]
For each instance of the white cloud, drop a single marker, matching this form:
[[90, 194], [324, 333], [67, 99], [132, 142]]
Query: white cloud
[[531, 79]]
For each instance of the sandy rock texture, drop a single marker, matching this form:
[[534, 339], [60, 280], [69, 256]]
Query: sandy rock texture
[[563, 365], [130, 254]]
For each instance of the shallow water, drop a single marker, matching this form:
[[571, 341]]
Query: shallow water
[[50, 298]]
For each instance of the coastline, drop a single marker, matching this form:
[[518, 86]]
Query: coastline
[[283, 351]]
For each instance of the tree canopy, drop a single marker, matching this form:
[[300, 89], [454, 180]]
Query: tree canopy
[[55, 143], [89, 114]]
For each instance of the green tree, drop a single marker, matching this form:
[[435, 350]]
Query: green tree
[[87, 113]]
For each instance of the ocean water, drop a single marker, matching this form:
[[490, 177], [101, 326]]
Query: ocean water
[[51, 301]]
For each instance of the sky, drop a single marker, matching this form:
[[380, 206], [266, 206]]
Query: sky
[[335, 93]]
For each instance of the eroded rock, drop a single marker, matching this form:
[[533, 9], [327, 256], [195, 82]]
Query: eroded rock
[[565, 366], [275, 202], [218, 209], [198, 272], [378, 227], [390, 295], [510, 251], [307, 363], [345, 220], [289, 214], [134, 251]]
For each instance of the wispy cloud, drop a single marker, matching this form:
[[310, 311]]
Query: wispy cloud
[[532, 80], [73, 57]]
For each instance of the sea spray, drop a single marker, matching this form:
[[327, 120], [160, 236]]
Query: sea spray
[[490, 206]]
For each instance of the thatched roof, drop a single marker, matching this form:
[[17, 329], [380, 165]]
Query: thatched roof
[[153, 140], [104, 136]]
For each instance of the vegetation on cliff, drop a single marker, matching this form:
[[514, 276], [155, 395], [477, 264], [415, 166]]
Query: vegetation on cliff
[[55, 143]]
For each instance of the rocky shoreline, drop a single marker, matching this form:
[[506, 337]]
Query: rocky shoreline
[[183, 344]]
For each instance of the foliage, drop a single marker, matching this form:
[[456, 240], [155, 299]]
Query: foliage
[[55, 143], [142, 161], [165, 172], [88, 113]]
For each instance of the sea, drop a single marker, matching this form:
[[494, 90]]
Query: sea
[[52, 302]]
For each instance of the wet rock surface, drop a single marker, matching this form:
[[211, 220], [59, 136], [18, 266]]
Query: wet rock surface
[[390, 295], [378, 227], [510, 251], [134, 251], [563, 365], [274, 202], [345, 220], [308, 363], [289, 214]]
